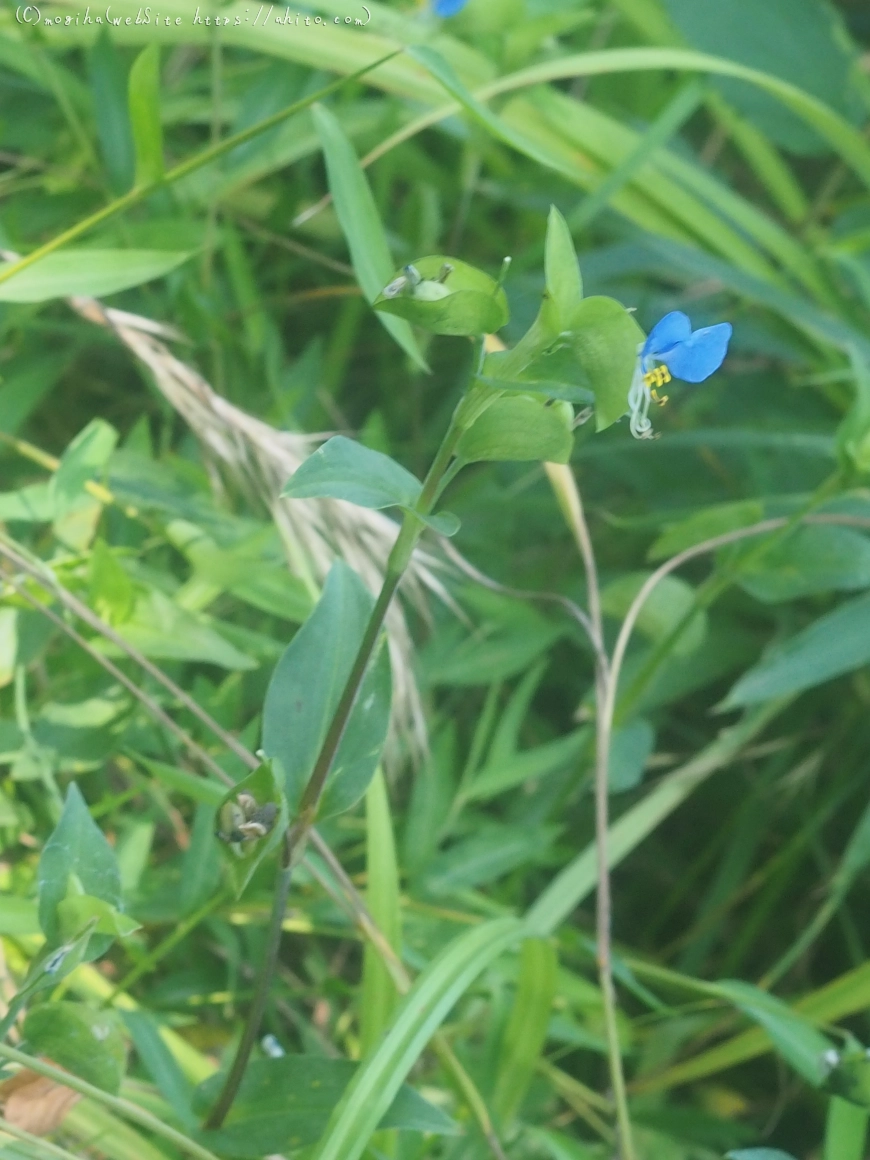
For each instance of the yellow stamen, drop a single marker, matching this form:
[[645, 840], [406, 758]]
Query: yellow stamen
[[657, 377]]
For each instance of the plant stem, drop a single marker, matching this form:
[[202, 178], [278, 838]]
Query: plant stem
[[297, 836], [252, 1025], [568, 495]]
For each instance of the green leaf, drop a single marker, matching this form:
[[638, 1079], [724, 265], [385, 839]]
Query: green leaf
[[604, 342], [526, 1030], [344, 469], [558, 1146], [846, 1128], [48, 969], [421, 1013], [361, 223], [378, 995], [109, 90], [577, 879], [305, 690], [87, 1043], [810, 560], [668, 122], [435, 63], [704, 525], [243, 858], [511, 636], [161, 629], [239, 569], [520, 427], [161, 1064], [202, 863], [527, 765], [564, 283], [629, 750], [111, 591], [452, 298], [834, 644], [486, 856], [33, 504], [801, 41], [144, 105], [88, 273], [853, 433], [759, 1154], [665, 607], [547, 389], [794, 1037], [76, 846], [83, 461], [77, 911], [198, 789], [284, 1104]]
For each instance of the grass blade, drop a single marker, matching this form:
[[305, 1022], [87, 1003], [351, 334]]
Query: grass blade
[[361, 223], [421, 1013], [144, 105], [378, 997]]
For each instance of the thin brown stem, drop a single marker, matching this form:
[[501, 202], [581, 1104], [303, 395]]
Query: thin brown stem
[[568, 496], [258, 1006]]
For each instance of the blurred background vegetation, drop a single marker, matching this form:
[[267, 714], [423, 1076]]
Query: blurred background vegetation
[[685, 188]]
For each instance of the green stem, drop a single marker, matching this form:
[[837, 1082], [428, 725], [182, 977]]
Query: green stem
[[297, 836], [182, 170], [116, 1103], [258, 1006]]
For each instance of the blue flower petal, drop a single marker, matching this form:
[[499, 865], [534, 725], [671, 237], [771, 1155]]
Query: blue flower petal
[[667, 332], [699, 355], [448, 7]]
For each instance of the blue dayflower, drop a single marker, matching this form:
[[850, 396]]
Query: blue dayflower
[[448, 7], [681, 353]]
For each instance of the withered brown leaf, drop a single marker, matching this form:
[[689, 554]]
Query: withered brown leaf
[[34, 1102]]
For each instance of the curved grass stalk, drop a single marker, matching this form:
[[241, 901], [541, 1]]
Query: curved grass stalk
[[845, 139], [606, 688], [568, 495]]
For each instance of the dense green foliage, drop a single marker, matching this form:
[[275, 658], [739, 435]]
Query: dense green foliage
[[191, 572]]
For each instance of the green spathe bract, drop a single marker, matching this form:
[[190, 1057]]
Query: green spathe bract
[[473, 304], [244, 858], [520, 427]]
